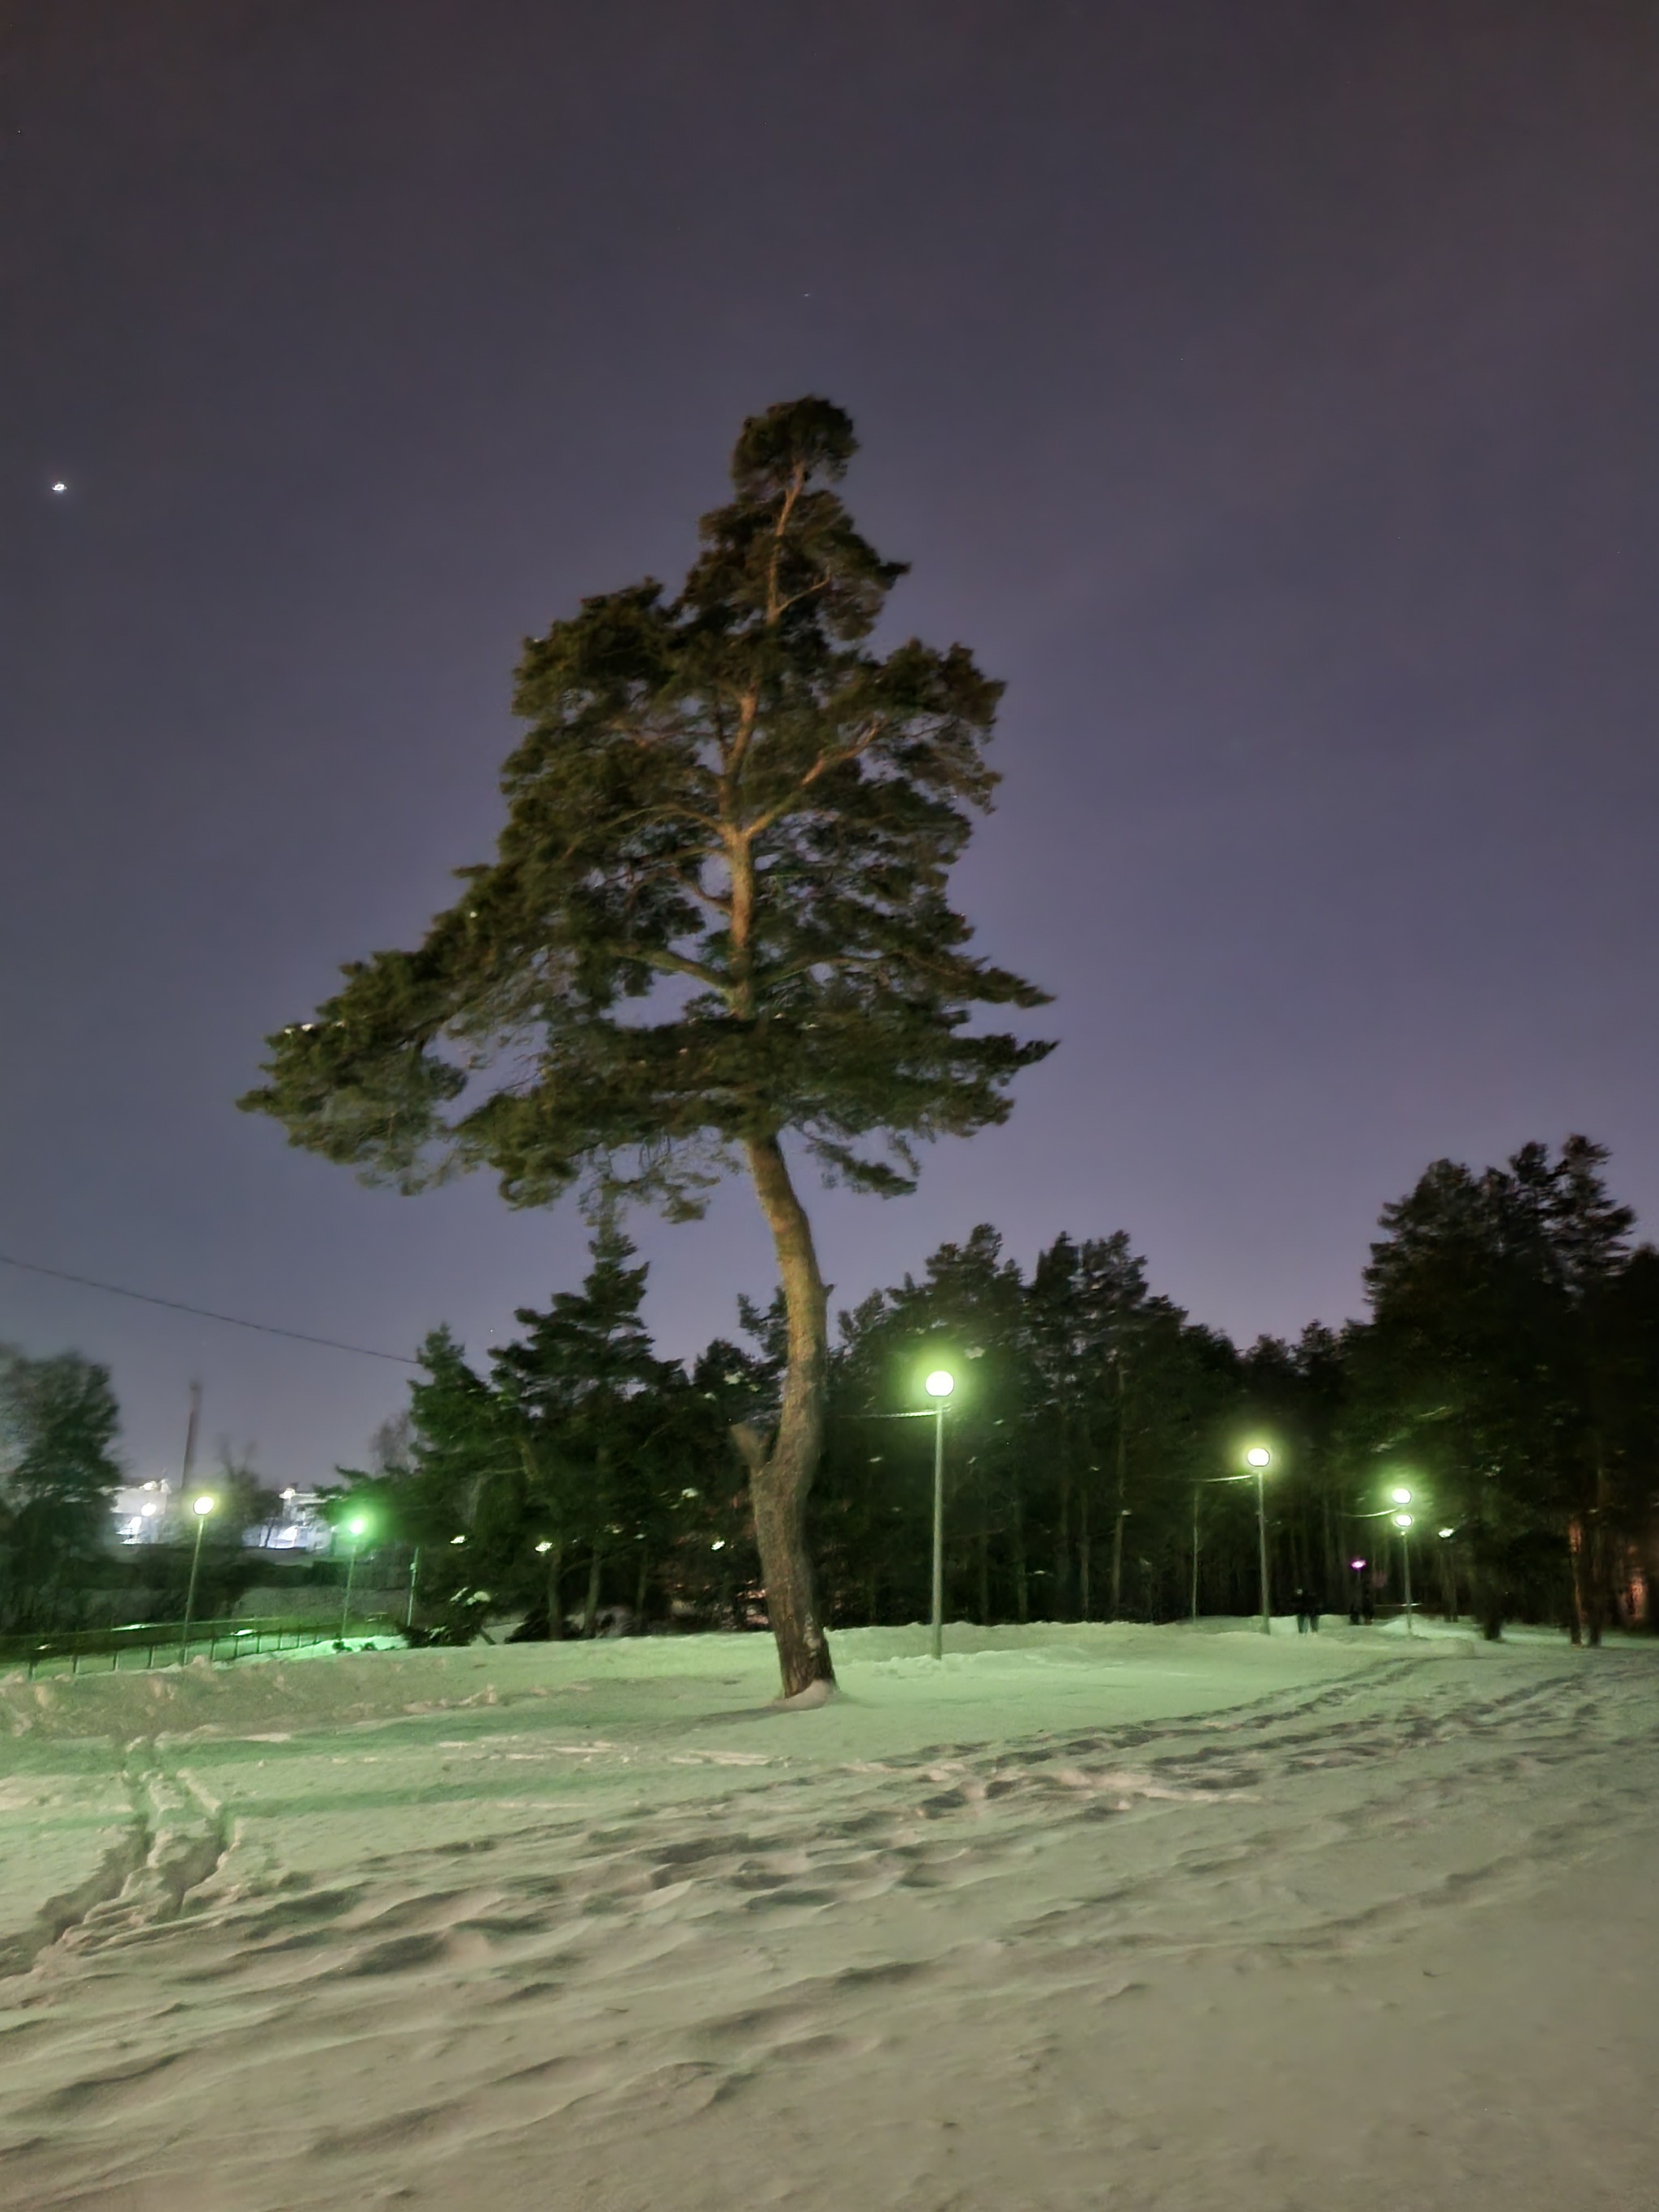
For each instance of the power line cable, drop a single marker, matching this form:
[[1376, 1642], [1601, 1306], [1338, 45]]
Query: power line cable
[[205, 1313]]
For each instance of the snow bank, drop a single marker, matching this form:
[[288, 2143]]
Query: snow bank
[[1078, 1919], [989, 1673]]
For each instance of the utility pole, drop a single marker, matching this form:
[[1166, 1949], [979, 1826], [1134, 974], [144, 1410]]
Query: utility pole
[[191, 1427]]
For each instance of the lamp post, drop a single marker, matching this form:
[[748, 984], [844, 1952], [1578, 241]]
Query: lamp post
[[201, 1507], [1401, 1495], [938, 1387], [1403, 1523], [1258, 1459], [1195, 1555], [355, 1527]]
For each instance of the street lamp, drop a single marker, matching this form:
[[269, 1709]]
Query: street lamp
[[938, 1387], [357, 1527], [1403, 1523], [1195, 1555], [201, 1507], [1258, 1459]]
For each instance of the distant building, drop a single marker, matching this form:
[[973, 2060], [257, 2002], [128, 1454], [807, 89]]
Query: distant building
[[301, 1527], [153, 1513], [145, 1512]]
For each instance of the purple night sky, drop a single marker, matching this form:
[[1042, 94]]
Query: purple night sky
[[1267, 392]]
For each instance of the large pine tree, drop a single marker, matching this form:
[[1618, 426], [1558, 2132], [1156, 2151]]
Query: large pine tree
[[718, 920]]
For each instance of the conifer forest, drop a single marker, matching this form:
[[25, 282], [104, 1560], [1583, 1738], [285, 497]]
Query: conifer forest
[[1506, 1369]]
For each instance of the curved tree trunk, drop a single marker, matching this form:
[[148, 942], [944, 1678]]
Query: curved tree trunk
[[779, 1484]]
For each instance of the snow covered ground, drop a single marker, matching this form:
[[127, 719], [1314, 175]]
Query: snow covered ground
[[1084, 1918]]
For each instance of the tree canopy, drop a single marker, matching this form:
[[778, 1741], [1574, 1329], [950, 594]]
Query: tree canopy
[[719, 907]]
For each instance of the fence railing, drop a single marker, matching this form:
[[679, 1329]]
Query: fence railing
[[145, 1644]]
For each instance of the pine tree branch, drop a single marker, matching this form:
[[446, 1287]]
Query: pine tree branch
[[822, 766]]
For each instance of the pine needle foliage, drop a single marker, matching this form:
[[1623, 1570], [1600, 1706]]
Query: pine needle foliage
[[719, 905]]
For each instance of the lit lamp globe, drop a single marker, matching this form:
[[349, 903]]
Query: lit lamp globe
[[202, 1506], [940, 1383], [1401, 1495], [1258, 1457], [358, 1526], [1402, 1520]]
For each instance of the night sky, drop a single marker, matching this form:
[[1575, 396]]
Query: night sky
[[1267, 392]]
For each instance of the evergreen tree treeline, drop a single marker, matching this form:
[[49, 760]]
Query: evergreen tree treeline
[[1508, 1372], [58, 1475]]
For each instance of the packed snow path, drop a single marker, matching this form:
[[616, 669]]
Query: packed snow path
[[1083, 1918]]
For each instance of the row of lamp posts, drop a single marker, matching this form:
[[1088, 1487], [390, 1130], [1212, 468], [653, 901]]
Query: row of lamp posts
[[1258, 1459], [203, 1507], [940, 1383]]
